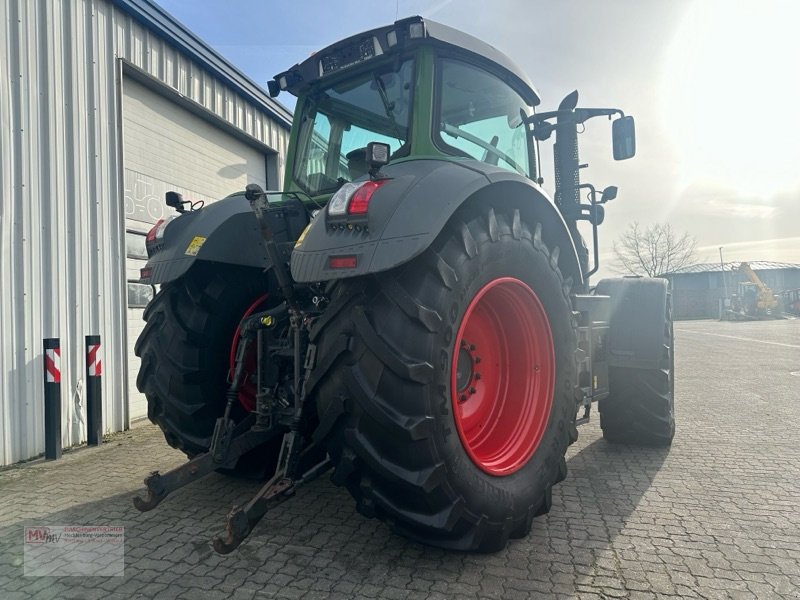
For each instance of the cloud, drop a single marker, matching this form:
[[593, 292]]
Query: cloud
[[779, 250], [725, 201], [438, 7]]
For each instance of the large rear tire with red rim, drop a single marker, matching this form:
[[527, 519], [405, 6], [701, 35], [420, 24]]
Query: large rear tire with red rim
[[185, 349], [446, 388]]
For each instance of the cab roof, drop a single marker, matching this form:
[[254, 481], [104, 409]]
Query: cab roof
[[358, 49]]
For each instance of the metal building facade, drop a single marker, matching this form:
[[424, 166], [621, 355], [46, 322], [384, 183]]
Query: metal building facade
[[62, 235]]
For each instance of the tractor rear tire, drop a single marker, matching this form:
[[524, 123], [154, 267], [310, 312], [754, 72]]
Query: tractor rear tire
[[445, 454], [185, 348], [640, 408]]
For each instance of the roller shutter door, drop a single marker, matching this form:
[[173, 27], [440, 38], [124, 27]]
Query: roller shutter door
[[166, 147]]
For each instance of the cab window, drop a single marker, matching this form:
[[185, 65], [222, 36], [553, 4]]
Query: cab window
[[339, 120], [479, 116]]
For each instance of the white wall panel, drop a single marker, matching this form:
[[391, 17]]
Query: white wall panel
[[62, 251]]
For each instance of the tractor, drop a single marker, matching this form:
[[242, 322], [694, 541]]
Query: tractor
[[412, 311]]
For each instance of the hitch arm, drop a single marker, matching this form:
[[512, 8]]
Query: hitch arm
[[241, 520], [159, 486]]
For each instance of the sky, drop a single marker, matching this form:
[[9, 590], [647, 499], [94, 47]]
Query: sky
[[712, 84]]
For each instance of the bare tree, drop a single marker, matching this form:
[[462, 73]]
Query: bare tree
[[654, 250]]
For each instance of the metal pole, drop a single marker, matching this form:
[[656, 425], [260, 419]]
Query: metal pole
[[52, 398], [94, 392], [724, 284]]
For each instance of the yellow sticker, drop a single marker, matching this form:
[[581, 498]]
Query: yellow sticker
[[302, 236], [194, 246]]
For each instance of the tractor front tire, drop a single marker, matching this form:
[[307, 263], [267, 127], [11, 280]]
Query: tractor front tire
[[640, 408], [445, 388], [185, 348]]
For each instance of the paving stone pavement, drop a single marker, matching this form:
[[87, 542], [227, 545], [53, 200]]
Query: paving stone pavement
[[715, 516]]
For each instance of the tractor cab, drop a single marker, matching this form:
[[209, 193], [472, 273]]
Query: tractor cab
[[419, 87]]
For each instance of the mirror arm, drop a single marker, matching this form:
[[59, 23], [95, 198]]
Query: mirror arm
[[581, 114], [584, 114], [542, 129]]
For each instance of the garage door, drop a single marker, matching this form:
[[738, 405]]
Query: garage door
[[166, 147]]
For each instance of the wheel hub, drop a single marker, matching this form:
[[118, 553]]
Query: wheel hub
[[466, 372]]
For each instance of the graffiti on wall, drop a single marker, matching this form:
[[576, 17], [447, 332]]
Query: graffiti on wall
[[144, 197]]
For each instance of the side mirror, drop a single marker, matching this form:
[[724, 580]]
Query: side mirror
[[608, 194], [623, 133]]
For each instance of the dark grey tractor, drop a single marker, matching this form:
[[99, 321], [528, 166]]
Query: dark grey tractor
[[412, 310]]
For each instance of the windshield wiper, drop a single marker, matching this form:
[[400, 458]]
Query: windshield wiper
[[388, 106]]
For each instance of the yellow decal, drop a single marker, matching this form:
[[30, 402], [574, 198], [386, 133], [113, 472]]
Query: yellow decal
[[194, 246], [302, 236]]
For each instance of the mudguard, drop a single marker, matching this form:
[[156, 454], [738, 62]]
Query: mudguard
[[637, 317], [408, 213], [223, 232]]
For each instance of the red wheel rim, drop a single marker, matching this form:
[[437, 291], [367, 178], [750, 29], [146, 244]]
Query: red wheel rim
[[502, 376], [247, 392]]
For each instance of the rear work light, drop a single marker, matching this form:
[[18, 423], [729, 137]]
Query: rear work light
[[416, 30], [353, 198]]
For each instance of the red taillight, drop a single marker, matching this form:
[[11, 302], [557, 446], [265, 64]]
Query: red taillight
[[151, 235], [359, 203], [145, 273], [342, 262]]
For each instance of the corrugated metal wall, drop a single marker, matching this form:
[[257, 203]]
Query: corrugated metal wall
[[62, 239]]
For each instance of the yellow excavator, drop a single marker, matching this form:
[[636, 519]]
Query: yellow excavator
[[753, 300]]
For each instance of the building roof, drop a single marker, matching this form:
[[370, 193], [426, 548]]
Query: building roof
[[756, 265], [155, 18]]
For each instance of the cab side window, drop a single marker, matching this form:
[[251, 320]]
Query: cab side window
[[479, 116]]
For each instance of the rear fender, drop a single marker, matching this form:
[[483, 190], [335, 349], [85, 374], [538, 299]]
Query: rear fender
[[410, 211], [637, 318], [224, 232]]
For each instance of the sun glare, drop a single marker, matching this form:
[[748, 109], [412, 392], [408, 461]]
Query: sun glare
[[732, 95]]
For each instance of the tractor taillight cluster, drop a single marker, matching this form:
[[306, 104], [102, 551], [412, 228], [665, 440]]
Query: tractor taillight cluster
[[151, 235], [353, 198], [155, 237], [359, 202]]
